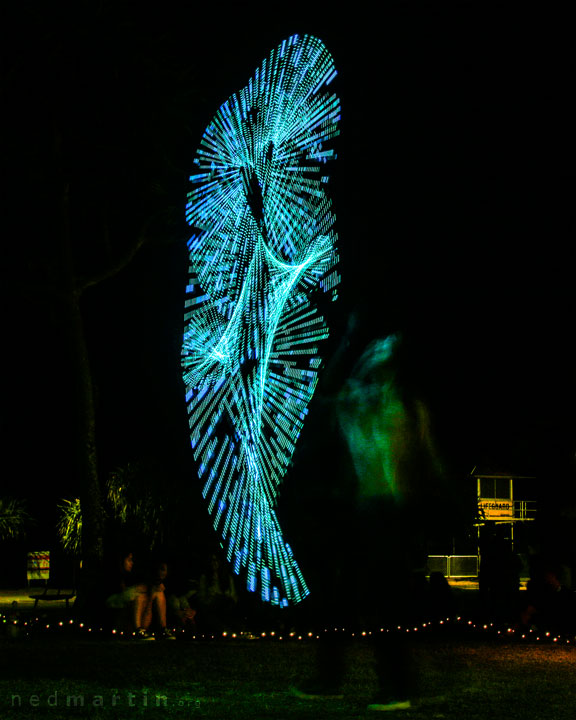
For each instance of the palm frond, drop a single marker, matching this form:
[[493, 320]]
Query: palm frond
[[69, 526], [13, 518]]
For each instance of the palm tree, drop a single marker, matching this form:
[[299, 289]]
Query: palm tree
[[69, 526], [100, 140], [13, 518], [132, 494], [131, 503]]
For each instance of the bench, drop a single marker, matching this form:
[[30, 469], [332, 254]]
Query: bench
[[49, 594]]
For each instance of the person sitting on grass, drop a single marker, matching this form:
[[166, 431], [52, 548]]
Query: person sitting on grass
[[549, 605], [133, 601], [217, 599], [181, 597], [157, 601]]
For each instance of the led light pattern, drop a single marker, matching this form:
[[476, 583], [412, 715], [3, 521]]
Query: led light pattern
[[262, 253]]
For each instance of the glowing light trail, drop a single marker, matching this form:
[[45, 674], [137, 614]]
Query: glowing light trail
[[263, 245]]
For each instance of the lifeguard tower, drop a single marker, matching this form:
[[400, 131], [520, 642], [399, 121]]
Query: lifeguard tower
[[506, 507], [505, 499]]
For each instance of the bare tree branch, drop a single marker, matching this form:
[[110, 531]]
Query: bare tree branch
[[113, 269]]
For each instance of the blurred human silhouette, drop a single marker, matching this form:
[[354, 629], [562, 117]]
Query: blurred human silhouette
[[381, 537]]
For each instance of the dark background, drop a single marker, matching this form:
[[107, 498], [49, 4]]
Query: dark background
[[454, 196]]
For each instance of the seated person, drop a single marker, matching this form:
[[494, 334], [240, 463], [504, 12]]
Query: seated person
[[549, 604], [180, 598], [133, 601], [217, 598]]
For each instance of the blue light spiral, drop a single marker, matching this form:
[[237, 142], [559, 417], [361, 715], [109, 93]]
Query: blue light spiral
[[263, 242]]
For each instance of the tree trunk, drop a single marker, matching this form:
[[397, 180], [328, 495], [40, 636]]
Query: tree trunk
[[88, 603], [89, 490], [89, 485]]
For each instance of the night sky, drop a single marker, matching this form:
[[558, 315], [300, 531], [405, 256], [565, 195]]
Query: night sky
[[454, 197]]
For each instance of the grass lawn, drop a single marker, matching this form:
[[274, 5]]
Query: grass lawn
[[479, 676]]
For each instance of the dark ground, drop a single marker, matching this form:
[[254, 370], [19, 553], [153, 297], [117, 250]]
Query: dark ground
[[465, 673]]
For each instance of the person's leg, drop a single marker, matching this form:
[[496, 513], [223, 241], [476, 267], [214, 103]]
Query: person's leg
[[331, 658], [159, 602], [331, 609], [142, 608], [142, 612], [386, 597], [393, 667], [330, 666]]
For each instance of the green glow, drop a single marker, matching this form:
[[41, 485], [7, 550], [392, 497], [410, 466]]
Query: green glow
[[391, 444], [372, 418]]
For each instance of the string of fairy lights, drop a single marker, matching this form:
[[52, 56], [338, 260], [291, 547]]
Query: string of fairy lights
[[263, 242], [467, 629]]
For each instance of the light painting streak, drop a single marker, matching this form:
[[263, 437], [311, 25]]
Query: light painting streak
[[263, 247]]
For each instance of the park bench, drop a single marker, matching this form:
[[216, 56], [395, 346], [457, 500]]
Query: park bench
[[50, 594]]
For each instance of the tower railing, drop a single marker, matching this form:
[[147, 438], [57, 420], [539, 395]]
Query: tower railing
[[454, 566]]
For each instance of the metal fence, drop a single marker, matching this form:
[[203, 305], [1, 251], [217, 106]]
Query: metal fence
[[454, 566]]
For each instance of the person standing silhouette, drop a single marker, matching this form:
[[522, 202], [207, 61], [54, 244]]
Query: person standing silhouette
[[388, 437]]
